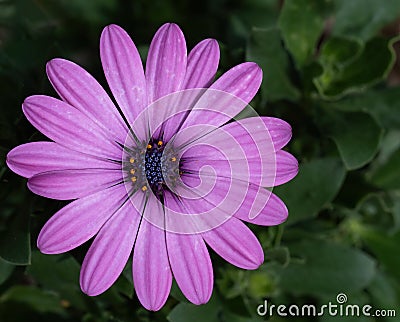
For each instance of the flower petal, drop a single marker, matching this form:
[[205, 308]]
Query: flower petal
[[236, 243], [202, 64], [72, 184], [230, 197], [287, 167], [227, 96], [201, 68], [79, 89], [110, 251], [279, 130], [152, 275], [69, 127], [242, 81], [191, 266], [166, 62], [32, 158], [124, 71], [80, 220], [273, 213]]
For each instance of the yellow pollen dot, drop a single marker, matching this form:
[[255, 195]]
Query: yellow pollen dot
[[133, 179], [160, 143], [144, 188], [149, 146], [132, 171], [173, 159], [131, 160]]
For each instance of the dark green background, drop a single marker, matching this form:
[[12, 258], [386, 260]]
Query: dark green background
[[329, 70]]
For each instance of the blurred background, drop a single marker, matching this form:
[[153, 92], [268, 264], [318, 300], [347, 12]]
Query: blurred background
[[330, 70]]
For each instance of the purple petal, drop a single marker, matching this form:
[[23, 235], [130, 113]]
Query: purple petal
[[273, 213], [36, 157], [227, 97], [202, 64], [237, 198], [151, 270], [166, 62], [287, 167], [79, 89], [259, 130], [110, 251], [79, 221], [72, 184], [242, 81], [69, 127], [236, 243], [191, 266], [279, 130], [234, 151], [124, 71]]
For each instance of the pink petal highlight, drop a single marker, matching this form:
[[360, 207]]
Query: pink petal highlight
[[202, 64], [236, 243], [69, 127], [79, 221], [287, 167], [166, 62], [108, 254], [32, 158], [72, 184], [191, 266], [79, 89], [152, 275], [123, 70]]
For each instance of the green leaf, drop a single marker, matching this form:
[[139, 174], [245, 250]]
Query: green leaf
[[387, 176], [364, 18], [58, 274], [266, 49], [253, 13], [312, 188], [338, 79], [184, 312], [356, 135], [382, 104], [326, 269], [15, 244], [35, 298], [5, 270], [383, 292], [279, 255], [339, 51], [302, 23], [385, 248]]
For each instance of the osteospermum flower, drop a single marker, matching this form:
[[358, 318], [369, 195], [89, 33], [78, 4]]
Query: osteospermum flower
[[164, 174]]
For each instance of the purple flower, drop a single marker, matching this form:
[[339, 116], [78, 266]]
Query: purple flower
[[164, 175]]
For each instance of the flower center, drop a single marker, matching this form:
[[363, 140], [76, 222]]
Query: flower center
[[152, 165]]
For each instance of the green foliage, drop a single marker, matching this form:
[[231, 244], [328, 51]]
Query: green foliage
[[320, 268], [301, 196], [266, 49], [329, 70]]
